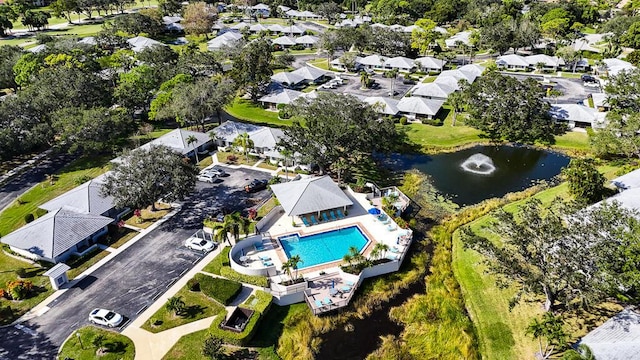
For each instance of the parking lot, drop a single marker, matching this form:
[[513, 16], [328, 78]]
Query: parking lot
[[132, 280], [353, 86]]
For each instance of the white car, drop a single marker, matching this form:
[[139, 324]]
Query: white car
[[105, 317], [207, 177], [198, 244]]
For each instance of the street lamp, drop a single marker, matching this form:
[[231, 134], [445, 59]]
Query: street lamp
[[80, 340]]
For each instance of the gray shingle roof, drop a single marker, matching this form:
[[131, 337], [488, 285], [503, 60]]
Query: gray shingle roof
[[419, 105], [57, 270], [310, 195], [617, 339], [84, 198], [628, 181], [177, 140], [56, 232]]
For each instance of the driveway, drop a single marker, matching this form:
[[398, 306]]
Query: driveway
[[353, 85], [133, 279], [572, 89]]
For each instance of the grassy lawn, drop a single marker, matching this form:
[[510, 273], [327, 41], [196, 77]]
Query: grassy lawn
[[119, 347], [264, 209], [570, 75], [248, 111], [124, 235], [86, 263], [428, 136], [205, 161], [68, 178], [267, 165], [319, 63], [241, 159], [8, 272], [198, 306], [429, 79], [573, 140], [218, 262], [189, 347], [148, 217]]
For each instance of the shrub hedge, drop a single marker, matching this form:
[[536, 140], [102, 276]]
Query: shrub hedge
[[221, 290], [242, 338], [231, 274]]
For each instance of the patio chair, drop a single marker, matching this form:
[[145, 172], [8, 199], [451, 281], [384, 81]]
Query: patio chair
[[345, 289], [333, 216], [264, 258], [327, 301], [393, 257], [319, 304], [383, 217], [325, 217], [258, 246], [349, 282], [395, 249], [305, 221], [333, 292], [391, 227], [267, 263], [340, 214], [313, 220]]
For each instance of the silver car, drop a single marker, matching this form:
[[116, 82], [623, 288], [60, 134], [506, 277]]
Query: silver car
[[105, 317], [198, 244]]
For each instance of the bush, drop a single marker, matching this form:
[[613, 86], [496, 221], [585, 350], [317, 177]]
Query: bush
[[28, 218], [79, 180], [231, 274], [403, 120], [231, 159], [3, 294], [219, 261], [232, 337], [193, 284], [260, 302], [433, 122], [402, 223], [40, 212], [221, 290], [19, 289]]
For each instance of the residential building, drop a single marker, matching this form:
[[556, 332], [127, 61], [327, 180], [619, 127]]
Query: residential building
[[429, 64], [439, 91], [400, 63], [311, 75], [288, 79], [140, 43], [372, 62], [284, 41], [576, 115], [283, 96], [229, 38], [383, 105], [416, 108], [463, 37], [618, 338], [178, 141]]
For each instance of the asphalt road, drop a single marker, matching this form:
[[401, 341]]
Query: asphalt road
[[132, 280], [353, 86], [17, 185], [572, 89]]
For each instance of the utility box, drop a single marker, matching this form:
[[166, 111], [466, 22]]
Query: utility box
[[58, 275]]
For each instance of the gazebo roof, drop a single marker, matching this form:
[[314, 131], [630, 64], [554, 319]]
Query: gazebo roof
[[310, 195]]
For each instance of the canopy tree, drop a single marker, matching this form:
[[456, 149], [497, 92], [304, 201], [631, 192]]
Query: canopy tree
[[143, 176], [9, 56], [193, 103], [558, 253], [92, 130], [198, 19], [505, 108], [423, 36], [586, 183], [252, 67], [337, 126]]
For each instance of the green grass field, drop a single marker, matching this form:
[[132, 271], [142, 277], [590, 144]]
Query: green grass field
[[119, 347], [246, 110], [445, 136]]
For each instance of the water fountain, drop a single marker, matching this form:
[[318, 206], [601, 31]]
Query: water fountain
[[479, 164]]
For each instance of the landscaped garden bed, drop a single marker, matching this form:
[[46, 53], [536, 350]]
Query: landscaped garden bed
[[220, 266], [81, 264], [94, 343], [146, 217], [221, 290], [197, 306]]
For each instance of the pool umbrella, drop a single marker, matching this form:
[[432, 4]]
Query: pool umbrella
[[374, 211], [333, 283]]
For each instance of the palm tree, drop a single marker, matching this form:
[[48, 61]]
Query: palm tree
[[244, 141], [191, 139], [287, 155], [380, 249], [175, 304], [232, 223], [347, 258], [583, 352], [295, 260], [364, 79], [339, 166], [286, 267], [456, 100], [98, 342]]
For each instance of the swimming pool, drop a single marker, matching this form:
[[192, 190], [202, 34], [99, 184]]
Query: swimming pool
[[324, 247]]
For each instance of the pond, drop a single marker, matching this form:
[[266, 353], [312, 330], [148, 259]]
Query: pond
[[482, 172]]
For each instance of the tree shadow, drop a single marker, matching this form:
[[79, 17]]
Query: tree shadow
[[192, 311], [243, 354], [116, 347]]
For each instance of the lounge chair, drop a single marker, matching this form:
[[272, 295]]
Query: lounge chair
[[327, 301], [333, 216], [264, 258], [305, 222], [333, 292], [391, 227], [319, 304], [395, 249], [325, 217], [340, 214], [393, 257], [313, 220], [345, 289], [267, 263], [349, 282], [258, 246]]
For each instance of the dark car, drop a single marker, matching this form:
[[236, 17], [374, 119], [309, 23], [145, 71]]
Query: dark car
[[588, 78], [255, 185]]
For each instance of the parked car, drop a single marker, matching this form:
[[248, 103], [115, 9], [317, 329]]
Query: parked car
[[198, 244], [591, 84], [216, 170], [588, 78], [255, 185], [207, 177], [408, 81], [105, 317]]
